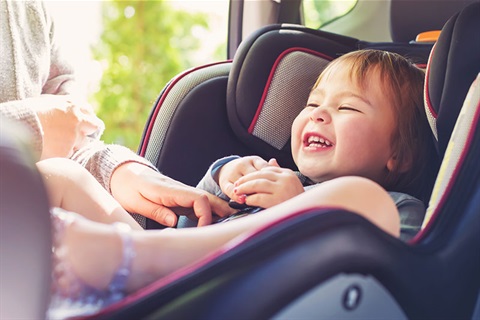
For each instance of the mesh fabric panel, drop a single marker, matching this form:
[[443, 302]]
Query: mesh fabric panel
[[174, 97], [287, 95]]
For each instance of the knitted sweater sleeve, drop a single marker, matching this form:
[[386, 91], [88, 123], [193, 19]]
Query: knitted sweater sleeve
[[61, 77], [101, 160], [18, 111], [97, 157]]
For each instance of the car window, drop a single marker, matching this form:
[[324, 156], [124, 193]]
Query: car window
[[213, 35], [129, 50], [317, 13]]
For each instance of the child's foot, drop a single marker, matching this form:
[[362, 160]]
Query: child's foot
[[71, 291]]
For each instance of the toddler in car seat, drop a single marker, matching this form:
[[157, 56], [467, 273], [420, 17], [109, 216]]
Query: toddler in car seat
[[362, 129], [364, 117]]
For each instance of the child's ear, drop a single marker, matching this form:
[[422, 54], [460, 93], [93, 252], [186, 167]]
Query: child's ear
[[392, 164]]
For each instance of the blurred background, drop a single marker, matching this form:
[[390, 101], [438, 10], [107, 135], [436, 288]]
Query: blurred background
[[127, 51]]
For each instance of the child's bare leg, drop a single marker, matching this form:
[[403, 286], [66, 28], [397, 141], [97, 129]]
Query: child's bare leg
[[73, 188], [92, 244]]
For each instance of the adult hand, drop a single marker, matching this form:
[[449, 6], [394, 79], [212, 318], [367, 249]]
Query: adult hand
[[235, 169], [66, 124], [267, 187], [142, 190]]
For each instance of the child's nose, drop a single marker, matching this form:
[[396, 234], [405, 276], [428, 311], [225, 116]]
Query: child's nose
[[320, 114]]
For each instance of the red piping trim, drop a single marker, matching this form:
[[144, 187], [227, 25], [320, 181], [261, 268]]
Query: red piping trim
[[471, 136], [270, 77], [427, 88], [164, 96]]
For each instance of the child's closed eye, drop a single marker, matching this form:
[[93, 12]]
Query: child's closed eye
[[348, 108], [311, 105]]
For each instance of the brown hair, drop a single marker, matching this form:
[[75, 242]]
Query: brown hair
[[412, 141]]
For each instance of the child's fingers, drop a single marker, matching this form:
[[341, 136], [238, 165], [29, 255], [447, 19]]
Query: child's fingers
[[254, 186], [242, 198], [263, 200], [269, 173], [273, 162], [228, 188], [258, 164]]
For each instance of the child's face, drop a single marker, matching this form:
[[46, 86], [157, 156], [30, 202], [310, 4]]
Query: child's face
[[345, 129]]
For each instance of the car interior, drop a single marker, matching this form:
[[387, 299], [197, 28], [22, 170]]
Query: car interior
[[323, 263]]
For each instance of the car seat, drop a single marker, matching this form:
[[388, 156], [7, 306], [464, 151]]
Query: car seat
[[25, 236], [330, 263], [232, 107]]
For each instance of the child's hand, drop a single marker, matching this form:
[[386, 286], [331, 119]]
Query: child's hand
[[267, 187], [234, 170]]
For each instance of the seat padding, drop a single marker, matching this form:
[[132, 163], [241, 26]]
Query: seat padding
[[25, 236]]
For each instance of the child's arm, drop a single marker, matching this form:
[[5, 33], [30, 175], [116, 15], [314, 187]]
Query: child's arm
[[209, 182], [94, 250]]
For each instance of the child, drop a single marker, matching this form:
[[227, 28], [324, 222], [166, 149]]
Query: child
[[364, 117], [353, 119]]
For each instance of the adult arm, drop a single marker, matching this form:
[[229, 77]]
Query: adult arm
[[145, 191]]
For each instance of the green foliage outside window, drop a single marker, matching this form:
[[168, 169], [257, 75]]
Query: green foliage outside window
[[320, 12], [144, 44]]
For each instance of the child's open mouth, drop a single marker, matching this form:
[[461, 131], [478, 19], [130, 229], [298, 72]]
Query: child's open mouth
[[313, 141]]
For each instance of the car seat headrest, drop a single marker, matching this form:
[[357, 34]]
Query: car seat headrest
[[272, 74], [451, 70], [408, 18]]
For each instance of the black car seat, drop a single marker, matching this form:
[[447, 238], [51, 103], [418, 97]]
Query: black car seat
[[326, 263], [233, 107], [454, 65], [219, 109], [25, 238]]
